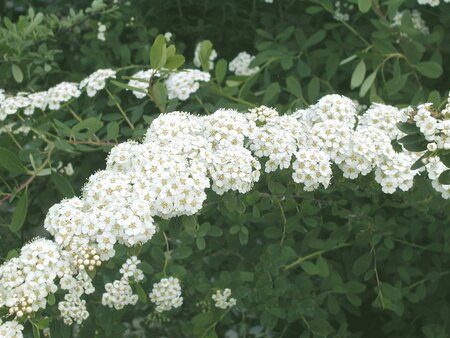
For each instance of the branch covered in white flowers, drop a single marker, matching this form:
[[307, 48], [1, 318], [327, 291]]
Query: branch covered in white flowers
[[178, 85], [167, 175]]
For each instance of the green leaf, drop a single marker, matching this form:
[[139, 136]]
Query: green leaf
[[63, 185], [313, 89], [36, 332], [368, 82], [205, 52], [347, 60], [408, 128], [359, 73], [293, 86], [246, 276], [17, 73], [141, 294], [445, 158], [273, 232], [271, 93], [276, 188], [159, 95], [391, 292], [146, 267], [310, 268], [189, 222], [362, 264], [181, 252], [127, 87], [221, 70], [315, 38], [91, 124], [44, 322], [158, 52], [429, 69], [444, 177], [322, 267], [175, 61], [364, 5], [11, 162], [20, 214], [112, 130], [200, 243], [11, 254], [51, 299], [414, 142]]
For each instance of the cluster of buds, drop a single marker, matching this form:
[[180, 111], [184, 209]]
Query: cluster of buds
[[204, 305], [87, 259], [23, 306]]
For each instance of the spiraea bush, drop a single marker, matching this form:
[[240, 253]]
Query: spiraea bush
[[224, 168]]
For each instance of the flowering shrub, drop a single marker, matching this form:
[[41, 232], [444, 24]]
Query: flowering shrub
[[256, 195]]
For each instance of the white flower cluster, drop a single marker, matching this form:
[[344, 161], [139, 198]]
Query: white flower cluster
[[51, 99], [15, 128], [119, 293], [197, 61], [141, 81], [54, 97], [11, 329], [27, 280], [435, 168], [166, 294], [416, 18], [435, 127], [101, 29], [357, 146], [167, 175], [276, 137], [312, 168], [182, 84], [97, 81], [341, 10], [73, 308], [223, 299], [240, 65], [432, 3], [430, 126]]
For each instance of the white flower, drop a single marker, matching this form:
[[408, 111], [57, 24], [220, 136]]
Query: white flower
[[240, 65], [168, 36], [141, 80], [166, 294], [180, 85], [416, 18], [223, 299], [432, 146], [11, 329], [212, 57], [101, 31], [312, 168], [97, 81], [119, 294]]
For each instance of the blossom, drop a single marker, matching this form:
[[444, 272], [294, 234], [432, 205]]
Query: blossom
[[166, 294], [223, 299], [141, 81], [182, 84], [212, 57], [101, 31], [11, 329], [240, 65], [97, 81]]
